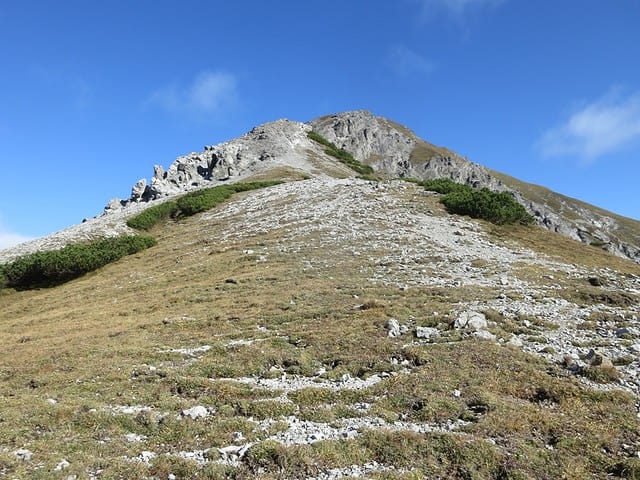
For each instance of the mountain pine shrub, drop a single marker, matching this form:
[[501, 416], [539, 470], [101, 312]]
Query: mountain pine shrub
[[152, 215], [500, 208], [50, 268], [192, 203]]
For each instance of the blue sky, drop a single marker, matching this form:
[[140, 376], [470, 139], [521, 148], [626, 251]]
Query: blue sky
[[93, 94]]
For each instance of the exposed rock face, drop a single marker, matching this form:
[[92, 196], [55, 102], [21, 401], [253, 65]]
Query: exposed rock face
[[370, 139]]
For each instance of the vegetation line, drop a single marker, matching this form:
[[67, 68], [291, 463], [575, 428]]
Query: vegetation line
[[192, 203], [500, 208], [342, 155], [51, 268]]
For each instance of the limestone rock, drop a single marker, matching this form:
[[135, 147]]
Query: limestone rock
[[428, 333], [393, 327], [484, 335], [137, 192], [196, 412], [474, 321], [24, 454]]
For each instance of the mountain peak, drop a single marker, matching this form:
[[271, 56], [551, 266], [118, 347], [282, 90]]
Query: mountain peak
[[283, 149]]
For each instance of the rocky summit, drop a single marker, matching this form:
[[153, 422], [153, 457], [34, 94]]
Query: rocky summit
[[332, 325]]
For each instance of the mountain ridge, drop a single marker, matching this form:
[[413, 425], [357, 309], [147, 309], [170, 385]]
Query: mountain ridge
[[393, 151]]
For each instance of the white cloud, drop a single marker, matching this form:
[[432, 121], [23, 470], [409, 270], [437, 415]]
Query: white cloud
[[404, 62], [456, 8], [601, 127], [9, 239], [210, 92]]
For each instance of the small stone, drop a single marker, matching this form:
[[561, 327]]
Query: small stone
[[62, 465], [515, 341], [134, 437], [623, 331], [23, 454], [52, 401], [393, 327], [457, 393], [595, 281], [196, 412], [238, 437], [635, 348], [146, 456], [471, 320]]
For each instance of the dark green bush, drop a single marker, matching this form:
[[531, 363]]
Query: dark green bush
[[443, 185], [192, 203], [341, 154], [152, 215], [206, 199], [50, 268], [202, 200], [500, 208]]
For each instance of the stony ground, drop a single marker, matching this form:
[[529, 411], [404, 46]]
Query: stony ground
[[329, 329]]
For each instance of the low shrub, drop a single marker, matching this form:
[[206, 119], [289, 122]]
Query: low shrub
[[152, 215], [202, 200], [50, 268], [443, 185], [342, 155], [192, 203], [500, 208]]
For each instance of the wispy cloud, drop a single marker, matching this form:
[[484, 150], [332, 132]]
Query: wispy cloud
[[609, 124], [456, 8], [9, 238], [71, 87], [405, 62], [210, 92]]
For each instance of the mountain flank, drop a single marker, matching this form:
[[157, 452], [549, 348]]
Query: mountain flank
[[322, 328]]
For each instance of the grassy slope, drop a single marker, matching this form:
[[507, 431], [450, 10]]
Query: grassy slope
[[89, 345], [629, 231]]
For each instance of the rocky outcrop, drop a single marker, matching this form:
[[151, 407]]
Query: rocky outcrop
[[282, 142]]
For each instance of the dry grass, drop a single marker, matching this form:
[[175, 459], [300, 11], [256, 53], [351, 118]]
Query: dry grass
[[106, 340]]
